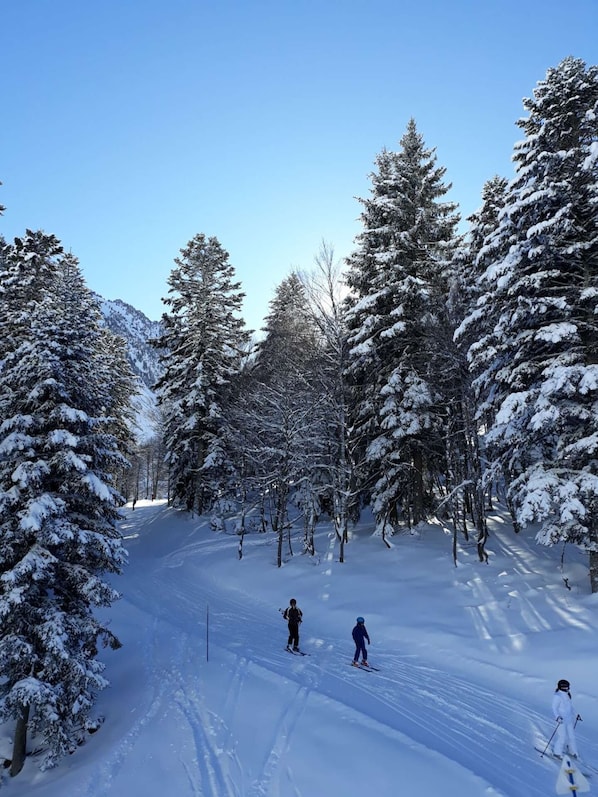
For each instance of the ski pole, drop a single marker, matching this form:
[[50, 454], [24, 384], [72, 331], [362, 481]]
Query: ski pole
[[548, 742], [578, 719]]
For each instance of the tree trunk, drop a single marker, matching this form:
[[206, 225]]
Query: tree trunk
[[309, 525], [279, 547], [19, 748], [417, 481], [594, 571]]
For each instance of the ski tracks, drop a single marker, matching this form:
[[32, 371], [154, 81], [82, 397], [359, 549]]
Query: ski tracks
[[101, 780], [208, 767], [435, 709], [173, 697], [265, 785], [449, 714], [207, 775]]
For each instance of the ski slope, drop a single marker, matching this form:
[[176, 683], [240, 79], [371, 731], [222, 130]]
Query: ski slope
[[205, 701]]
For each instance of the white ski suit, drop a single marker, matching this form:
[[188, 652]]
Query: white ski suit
[[562, 707]]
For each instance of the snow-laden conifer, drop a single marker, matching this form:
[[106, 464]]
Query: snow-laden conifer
[[202, 345], [287, 410], [465, 488], [58, 504], [539, 362], [395, 322]]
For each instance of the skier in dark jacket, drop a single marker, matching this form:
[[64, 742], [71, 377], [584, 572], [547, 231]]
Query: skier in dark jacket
[[294, 616], [360, 634]]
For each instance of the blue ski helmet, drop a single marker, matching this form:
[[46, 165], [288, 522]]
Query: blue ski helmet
[[360, 620]]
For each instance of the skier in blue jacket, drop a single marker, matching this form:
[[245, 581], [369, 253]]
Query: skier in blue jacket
[[360, 634]]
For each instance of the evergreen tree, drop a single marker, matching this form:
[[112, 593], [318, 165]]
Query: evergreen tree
[[466, 294], [469, 318], [202, 346], [58, 505], [290, 336], [539, 362], [287, 407], [395, 321]]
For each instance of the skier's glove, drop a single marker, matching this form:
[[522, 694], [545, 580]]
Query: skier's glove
[[559, 719]]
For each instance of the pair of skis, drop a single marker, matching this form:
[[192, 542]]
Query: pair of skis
[[582, 765], [369, 668], [573, 774], [296, 652]]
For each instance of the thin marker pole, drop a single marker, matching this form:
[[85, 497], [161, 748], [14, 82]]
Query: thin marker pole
[[207, 632]]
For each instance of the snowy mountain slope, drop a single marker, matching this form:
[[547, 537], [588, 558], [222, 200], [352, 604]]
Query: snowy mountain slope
[[137, 330], [205, 701]]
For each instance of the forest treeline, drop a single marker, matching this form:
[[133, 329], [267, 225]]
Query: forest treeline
[[427, 375]]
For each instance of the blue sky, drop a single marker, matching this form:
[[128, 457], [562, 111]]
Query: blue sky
[[128, 127]]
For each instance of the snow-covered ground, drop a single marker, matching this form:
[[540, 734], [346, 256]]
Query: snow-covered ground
[[206, 701]]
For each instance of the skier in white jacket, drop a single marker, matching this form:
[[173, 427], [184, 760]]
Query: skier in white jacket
[[565, 715]]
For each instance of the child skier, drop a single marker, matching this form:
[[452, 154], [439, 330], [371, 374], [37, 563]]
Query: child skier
[[360, 634], [566, 717], [294, 616]]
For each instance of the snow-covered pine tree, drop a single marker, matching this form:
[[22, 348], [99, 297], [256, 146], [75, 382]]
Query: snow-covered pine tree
[[289, 455], [396, 320], [202, 346], [539, 363], [290, 337], [120, 386], [464, 455], [58, 505], [364, 267], [470, 264]]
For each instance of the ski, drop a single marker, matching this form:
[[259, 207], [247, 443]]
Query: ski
[[297, 652], [547, 754], [367, 669], [585, 769]]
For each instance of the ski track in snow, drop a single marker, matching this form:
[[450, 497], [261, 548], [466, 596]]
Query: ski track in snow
[[279, 744], [213, 780], [168, 663], [106, 772], [453, 724]]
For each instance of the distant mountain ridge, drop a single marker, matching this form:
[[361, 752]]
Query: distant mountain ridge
[[137, 330]]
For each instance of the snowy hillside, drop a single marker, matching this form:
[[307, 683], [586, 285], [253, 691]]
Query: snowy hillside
[[206, 701], [137, 330]]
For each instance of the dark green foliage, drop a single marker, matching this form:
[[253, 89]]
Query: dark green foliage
[[202, 345], [58, 505]]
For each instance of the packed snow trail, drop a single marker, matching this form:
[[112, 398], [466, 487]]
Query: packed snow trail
[[258, 722], [425, 706]]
